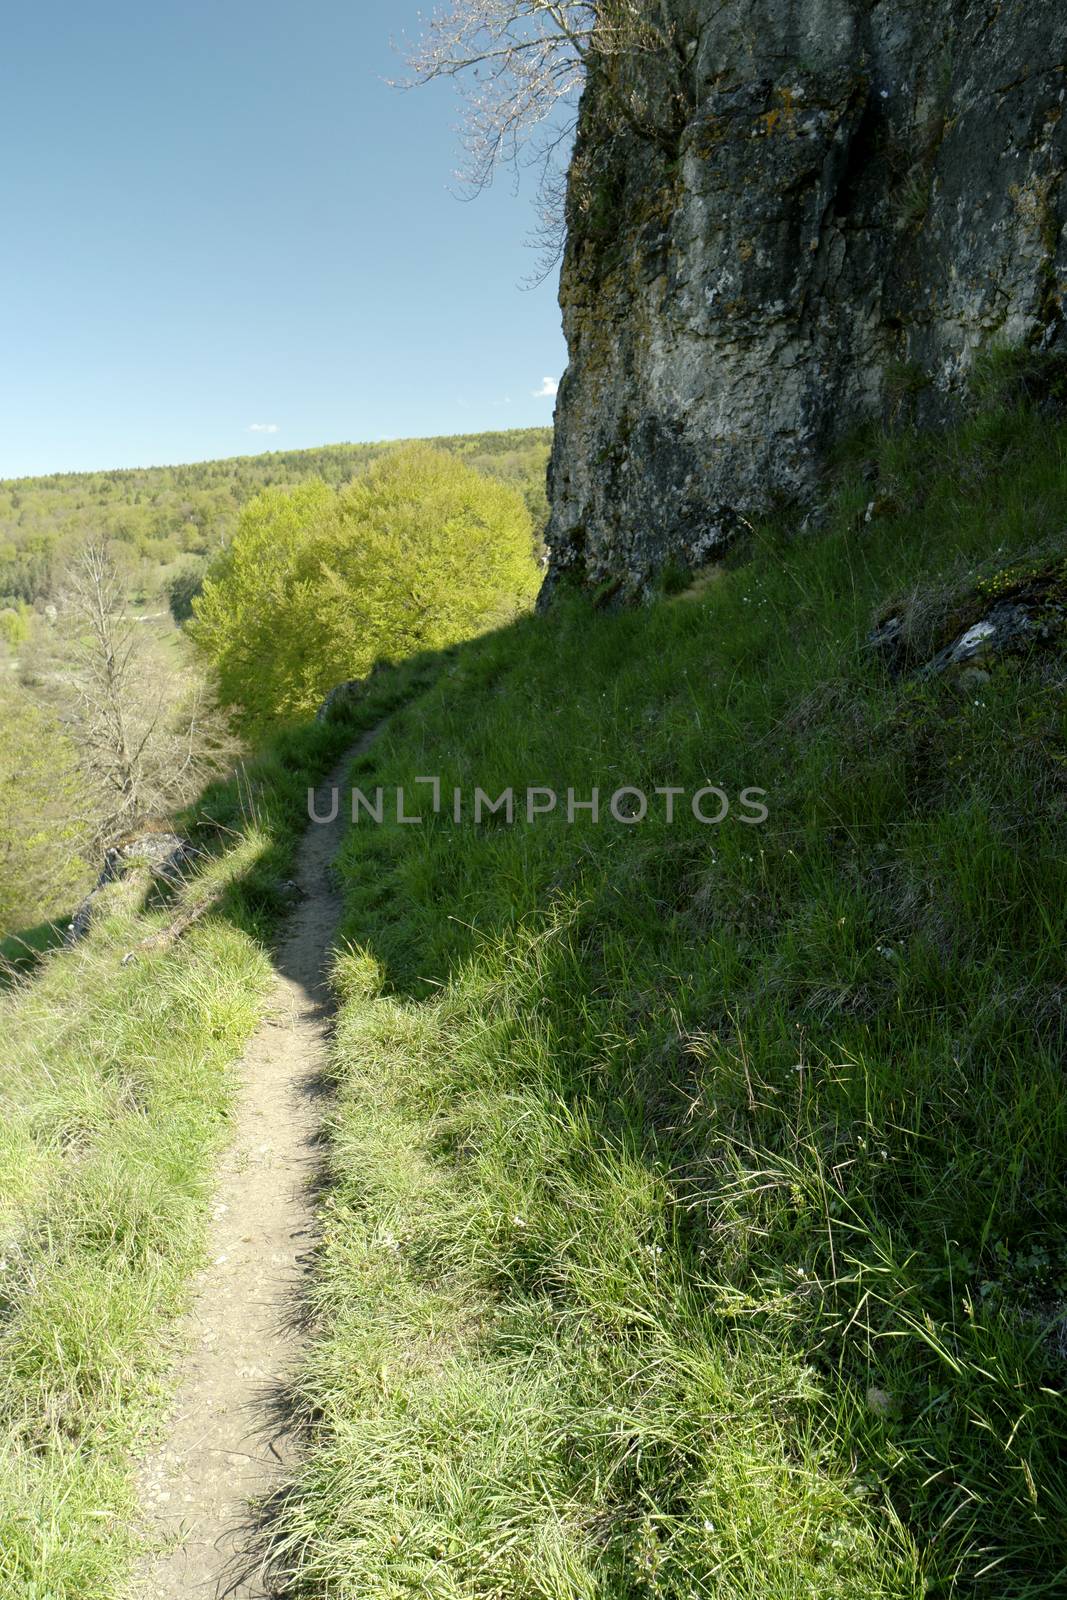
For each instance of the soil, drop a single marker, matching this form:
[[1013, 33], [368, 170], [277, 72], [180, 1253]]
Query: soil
[[231, 1443]]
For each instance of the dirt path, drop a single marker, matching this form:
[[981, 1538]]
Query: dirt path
[[228, 1441]]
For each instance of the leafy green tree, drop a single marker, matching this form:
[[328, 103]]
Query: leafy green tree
[[41, 868], [245, 618], [318, 584], [183, 589]]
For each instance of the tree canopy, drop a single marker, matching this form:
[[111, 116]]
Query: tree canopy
[[318, 583]]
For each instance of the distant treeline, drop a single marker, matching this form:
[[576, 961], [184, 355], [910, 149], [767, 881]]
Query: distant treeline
[[164, 513]]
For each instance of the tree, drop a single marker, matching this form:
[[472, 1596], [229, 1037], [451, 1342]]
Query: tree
[[520, 65], [41, 867], [248, 618], [318, 583], [183, 589], [16, 623], [423, 551], [146, 738]]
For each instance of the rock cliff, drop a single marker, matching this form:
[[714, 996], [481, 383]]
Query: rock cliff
[[862, 194]]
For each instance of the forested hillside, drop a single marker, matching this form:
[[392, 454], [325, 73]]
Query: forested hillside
[[158, 532], [162, 513]]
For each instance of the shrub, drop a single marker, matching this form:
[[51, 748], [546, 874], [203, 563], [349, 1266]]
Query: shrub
[[183, 589], [15, 623], [319, 584], [40, 861]]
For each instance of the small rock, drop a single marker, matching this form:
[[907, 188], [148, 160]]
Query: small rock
[[1007, 627], [161, 851], [881, 1402], [973, 678], [887, 641], [882, 506], [341, 698]]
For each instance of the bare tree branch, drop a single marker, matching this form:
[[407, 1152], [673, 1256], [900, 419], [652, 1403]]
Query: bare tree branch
[[521, 64], [146, 739]]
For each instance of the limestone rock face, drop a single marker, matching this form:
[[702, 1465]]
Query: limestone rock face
[[864, 194]]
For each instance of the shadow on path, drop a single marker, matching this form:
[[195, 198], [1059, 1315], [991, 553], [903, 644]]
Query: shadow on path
[[230, 1439]]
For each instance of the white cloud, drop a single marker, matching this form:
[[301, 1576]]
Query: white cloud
[[262, 427], [548, 390]]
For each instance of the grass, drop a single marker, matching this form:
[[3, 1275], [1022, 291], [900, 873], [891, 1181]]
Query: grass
[[696, 1223], [116, 1092], [115, 1089], [20, 953]]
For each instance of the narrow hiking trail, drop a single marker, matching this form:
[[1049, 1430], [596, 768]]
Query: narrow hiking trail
[[229, 1439]]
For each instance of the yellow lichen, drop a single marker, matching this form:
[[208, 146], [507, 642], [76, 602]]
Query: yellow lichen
[[783, 115]]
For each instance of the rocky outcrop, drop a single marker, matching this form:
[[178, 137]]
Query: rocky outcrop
[[341, 700], [156, 852], [863, 196], [1012, 614]]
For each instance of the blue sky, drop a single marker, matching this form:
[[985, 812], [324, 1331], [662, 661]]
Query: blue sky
[[216, 216]]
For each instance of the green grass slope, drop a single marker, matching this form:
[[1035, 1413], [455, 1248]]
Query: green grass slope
[[697, 1212], [115, 1087]]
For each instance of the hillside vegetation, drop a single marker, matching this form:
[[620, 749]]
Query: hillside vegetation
[[116, 1084], [165, 513], [696, 1222], [304, 550], [318, 584], [694, 1215], [41, 867]]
